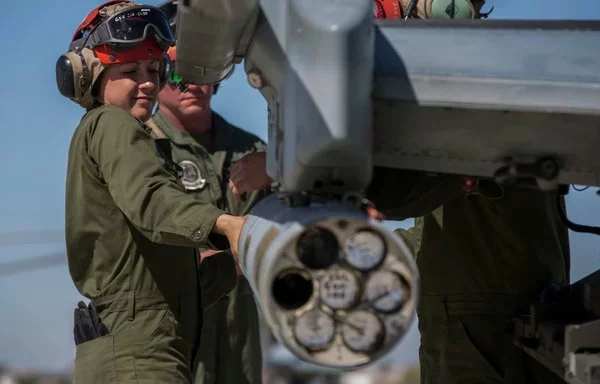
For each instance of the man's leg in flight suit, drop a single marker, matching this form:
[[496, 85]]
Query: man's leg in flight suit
[[239, 351], [475, 349], [471, 289]]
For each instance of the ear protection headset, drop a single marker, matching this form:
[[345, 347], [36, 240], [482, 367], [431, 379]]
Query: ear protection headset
[[80, 67], [387, 9], [444, 9], [450, 9]]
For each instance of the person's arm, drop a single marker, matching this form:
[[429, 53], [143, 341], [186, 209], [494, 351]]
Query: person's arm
[[146, 192], [242, 204], [400, 194], [249, 174]]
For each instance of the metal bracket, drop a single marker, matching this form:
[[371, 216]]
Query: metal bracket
[[562, 331], [582, 353], [542, 173]]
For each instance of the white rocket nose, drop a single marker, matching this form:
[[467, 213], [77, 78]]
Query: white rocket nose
[[335, 287]]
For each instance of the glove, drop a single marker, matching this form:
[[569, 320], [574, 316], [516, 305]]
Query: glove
[[87, 325]]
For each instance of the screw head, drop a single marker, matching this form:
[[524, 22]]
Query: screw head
[[256, 80]]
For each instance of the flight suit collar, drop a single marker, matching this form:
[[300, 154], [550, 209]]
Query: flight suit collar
[[223, 133], [175, 134], [221, 147], [220, 127]]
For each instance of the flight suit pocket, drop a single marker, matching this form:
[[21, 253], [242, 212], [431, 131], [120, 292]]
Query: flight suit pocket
[[148, 327], [451, 353], [95, 362], [466, 357], [158, 346]]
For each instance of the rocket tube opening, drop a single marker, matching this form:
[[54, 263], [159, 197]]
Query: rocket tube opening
[[292, 289], [318, 248]]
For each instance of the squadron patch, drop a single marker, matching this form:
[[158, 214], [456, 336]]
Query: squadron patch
[[191, 178]]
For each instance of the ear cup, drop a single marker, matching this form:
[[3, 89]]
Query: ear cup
[[65, 77], [451, 9], [71, 74]]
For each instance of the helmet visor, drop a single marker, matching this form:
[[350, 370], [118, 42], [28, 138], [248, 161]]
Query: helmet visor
[[132, 26]]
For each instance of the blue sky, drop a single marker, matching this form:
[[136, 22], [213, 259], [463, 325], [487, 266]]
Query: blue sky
[[37, 125]]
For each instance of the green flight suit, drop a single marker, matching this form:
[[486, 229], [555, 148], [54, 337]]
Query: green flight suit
[[482, 258], [131, 238], [230, 351]]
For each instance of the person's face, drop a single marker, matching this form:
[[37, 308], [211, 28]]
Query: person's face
[[132, 86], [195, 100]]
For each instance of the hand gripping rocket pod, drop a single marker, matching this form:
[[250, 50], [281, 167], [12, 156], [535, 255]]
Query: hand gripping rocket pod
[[335, 287]]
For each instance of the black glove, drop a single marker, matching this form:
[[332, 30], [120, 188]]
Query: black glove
[[87, 325]]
